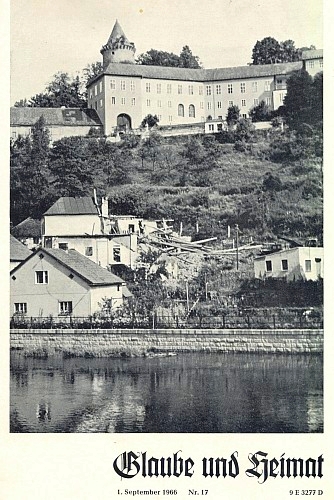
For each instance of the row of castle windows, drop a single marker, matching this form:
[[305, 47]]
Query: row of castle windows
[[169, 103], [180, 87]]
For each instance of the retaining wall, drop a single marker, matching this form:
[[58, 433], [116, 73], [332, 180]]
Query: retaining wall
[[139, 341]]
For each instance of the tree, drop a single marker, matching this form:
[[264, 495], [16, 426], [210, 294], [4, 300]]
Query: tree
[[303, 101], [233, 115], [61, 91], [154, 57], [149, 120], [266, 51], [188, 60], [270, 51], [260, 113], [29, 174], [92, 70]]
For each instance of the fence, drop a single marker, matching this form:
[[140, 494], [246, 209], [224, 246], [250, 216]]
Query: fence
[[242, 319]]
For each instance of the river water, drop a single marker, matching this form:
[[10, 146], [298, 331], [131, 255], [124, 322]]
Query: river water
[[186, 393]]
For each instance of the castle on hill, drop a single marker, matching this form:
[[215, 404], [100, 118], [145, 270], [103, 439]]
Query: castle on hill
[[124, 93]]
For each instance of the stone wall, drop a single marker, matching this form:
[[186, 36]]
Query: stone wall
[[140, 341]]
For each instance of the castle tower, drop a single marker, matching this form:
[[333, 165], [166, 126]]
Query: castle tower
[[118, 48]]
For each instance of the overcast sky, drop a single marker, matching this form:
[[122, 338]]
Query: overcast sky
[[48, 36]]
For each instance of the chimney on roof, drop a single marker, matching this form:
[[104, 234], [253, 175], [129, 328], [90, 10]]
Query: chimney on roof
[[105, 207]]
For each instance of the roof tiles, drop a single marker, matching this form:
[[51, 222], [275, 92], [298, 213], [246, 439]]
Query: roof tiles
[[54, 116], [18, 251], [88, 270], [67, 205]]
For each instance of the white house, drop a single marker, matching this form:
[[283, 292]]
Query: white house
[[294, 263], [58, 283], [80, 224]]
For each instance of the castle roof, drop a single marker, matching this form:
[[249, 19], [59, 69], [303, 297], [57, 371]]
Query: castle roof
[[27, 228], [67, 205], [54, 116], [199, 75], [312, 54], [117, 33]]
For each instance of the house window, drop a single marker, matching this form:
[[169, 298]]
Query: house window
[[159, 104], [200, 90], [191, 111], [311, 64], [95, 104], [169, 104], [20, 308], [219, 104], [243, 102], [281, 97], [113, 100], [180, 110], [148, 87], [101, 103], [132, 86], [191, 90], [321, 63], [211, 127], [308, 266], [91, 94], [242, 87], [268, 101], [158, 88], [229, 88], [117, 254], [254, 86], [256, 102], [131, 228], [65, 307], [123, 86], [269, 266], [41, 277], [209, 105], [208, 90], [95, 90], [63, 246], [100, 86], [267, 86], [170, 118], [279, 81], [244, 115], [89, 251], [123, 101], [179, 89], [201, 105], [230, 103], [285, 265], [113, 84], [169, 88], [148, 102], [218, 89], [133, 101]]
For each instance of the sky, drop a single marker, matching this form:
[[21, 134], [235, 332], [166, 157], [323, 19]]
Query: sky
[[47, 36]]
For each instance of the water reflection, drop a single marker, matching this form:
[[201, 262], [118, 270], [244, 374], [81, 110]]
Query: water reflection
[[188, 393]]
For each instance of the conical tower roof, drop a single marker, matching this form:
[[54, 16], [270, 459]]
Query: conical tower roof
[[117, 33]]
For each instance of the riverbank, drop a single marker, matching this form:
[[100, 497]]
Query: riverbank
[[147, 342]]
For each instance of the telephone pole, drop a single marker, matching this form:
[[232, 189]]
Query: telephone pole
[[237, 243]]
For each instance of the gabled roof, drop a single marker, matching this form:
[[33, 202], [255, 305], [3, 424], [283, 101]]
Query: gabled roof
[[18, 251], [67, 205], [54, 116], [79, 265], [312, 54], [27, 228], [198, 75]]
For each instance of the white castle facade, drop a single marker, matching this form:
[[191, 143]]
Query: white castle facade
[[125, 92]]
